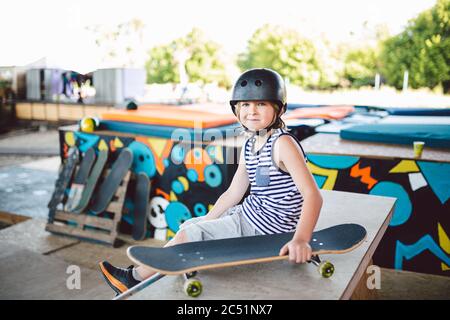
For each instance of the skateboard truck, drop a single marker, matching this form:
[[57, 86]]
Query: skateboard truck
[[325, 268]]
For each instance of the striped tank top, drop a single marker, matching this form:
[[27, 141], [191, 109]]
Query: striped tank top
[[275, 203]]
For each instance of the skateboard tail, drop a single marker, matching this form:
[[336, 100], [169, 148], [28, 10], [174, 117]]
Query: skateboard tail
[[91, 183], [80, 179], [141, 209], [65, 175], [110, 184]]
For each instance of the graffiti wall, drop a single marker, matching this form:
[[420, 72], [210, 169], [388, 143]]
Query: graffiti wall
[[186, 180], [417, 238]]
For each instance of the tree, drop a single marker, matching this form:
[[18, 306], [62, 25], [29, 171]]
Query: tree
[[205, 62], [122, 44], [361, 66], [285, 51], [422, 49], [161, 66]]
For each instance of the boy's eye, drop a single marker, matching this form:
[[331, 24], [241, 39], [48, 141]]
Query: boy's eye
[[261, 104]]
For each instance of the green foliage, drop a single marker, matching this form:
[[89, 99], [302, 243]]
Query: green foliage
[[204, 64], [286, 52], [120, 44], [161, 66], [361, 66], [423, 49]]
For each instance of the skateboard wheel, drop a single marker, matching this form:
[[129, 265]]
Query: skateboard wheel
[[326, 269], [193, 287]]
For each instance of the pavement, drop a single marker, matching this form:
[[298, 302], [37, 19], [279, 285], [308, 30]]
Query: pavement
[[42, 142], [29, 163], [35, 264]]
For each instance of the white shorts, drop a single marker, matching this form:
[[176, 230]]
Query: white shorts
[[231, 224]]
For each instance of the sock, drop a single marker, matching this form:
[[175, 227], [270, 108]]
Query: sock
[[136, 275]]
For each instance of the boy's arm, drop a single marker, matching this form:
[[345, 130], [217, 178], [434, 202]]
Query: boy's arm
[[234, 193], [292, 158]]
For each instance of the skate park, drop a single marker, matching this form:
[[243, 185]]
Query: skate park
[[362, 152]]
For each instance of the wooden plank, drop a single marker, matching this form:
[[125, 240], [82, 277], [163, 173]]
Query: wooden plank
[[95, 111], [71, 112], [114, 207], [361, 291], [86, 234], [38, 111], [367, 259], [11, 218], [52, 111], [23, 111], [85, 220]]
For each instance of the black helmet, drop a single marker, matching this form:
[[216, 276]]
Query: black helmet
[[259, 84]]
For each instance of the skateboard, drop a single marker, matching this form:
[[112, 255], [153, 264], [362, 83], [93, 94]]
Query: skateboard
[[110, 184], [63, 180], [79, 182], [141, 201], [188, 258], [91, 182]]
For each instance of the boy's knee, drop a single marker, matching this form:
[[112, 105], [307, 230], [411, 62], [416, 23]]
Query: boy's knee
[[189, 234], [181, 235]]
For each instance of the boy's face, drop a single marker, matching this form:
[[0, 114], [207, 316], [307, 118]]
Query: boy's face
[[256, 115]]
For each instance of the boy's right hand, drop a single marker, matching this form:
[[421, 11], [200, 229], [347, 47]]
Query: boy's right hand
[[299, 251]]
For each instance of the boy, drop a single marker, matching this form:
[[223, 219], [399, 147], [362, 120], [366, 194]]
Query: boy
[[283, 198]]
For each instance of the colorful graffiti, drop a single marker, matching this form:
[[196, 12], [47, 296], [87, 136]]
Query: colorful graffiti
[[417, 236], [186, 179]]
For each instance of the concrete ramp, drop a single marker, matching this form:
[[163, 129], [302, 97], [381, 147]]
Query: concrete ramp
[[25, 274]]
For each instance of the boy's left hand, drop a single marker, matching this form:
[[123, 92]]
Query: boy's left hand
[[299, 251]]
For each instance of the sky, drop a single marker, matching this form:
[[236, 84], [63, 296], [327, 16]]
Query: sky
[[31, 30]]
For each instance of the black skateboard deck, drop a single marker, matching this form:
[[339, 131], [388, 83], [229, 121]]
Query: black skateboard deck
[[195, 256], [110, 184], [188, 258], [141, 203], [79, 182], [91, 182], [63, 180]]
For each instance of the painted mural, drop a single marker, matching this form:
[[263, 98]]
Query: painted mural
[[417, 238], [186, 180]]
